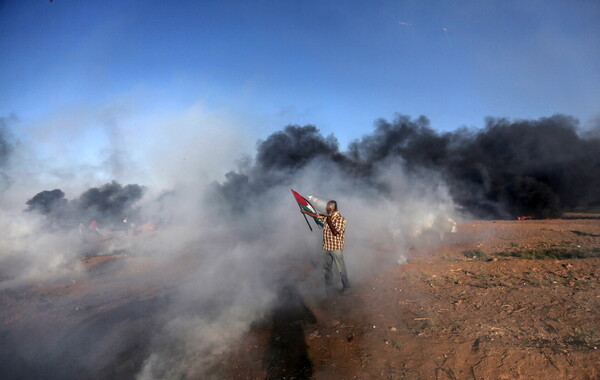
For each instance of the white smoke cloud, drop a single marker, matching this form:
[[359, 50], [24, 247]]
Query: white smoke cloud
[[247, 260], [244, 258], [30, 255]]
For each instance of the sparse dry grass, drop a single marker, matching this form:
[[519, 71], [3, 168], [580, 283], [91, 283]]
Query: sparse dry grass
[[587, 337], [554, 253]]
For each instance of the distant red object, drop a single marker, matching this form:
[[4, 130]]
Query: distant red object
[[145, 227], [524, 217], [93, 224]]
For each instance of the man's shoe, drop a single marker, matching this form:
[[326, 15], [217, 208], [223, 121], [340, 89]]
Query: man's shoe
[[346, 291]]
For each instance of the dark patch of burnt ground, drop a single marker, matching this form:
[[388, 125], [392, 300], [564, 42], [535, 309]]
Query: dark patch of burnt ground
[[287, 355]]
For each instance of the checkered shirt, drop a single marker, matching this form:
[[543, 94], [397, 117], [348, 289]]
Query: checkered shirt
[[332, 242]]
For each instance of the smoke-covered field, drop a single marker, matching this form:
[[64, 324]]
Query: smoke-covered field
[[125, 280]]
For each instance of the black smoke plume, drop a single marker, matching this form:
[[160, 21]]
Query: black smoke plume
[[278, 158], [509, 168], [47, 201], [107, 204], [111, 201]]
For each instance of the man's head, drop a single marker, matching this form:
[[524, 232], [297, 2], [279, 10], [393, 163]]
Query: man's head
[[331, 207]]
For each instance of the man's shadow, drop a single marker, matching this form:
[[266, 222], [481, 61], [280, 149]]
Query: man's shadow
[[287, 356]]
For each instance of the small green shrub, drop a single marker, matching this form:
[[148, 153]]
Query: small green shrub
[[475, 254], [552, 253]]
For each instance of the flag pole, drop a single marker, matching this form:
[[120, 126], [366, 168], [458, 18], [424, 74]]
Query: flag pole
[[305, 217]]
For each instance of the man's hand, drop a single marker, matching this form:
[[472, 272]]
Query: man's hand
[[309, 213]]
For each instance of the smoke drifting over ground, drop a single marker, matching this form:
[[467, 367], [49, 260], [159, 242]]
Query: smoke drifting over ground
[[45, 241], [398, 187], [393, 186], [260, 244]]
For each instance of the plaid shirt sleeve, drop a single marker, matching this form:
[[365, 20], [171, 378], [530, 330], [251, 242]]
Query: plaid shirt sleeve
[[340, 224]]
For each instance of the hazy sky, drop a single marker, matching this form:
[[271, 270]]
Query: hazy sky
[[102, 73]]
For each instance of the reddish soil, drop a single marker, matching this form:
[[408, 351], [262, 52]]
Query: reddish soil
[[444, 316], [440, 316]]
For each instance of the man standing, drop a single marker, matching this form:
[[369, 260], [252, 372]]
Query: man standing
[[334, 227]]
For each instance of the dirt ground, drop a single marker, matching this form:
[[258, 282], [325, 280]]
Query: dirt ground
[[442, 315], [445, 316]]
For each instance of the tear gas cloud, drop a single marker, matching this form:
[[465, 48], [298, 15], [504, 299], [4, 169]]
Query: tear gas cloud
[[239, 281], [29, 255], [393, 186]]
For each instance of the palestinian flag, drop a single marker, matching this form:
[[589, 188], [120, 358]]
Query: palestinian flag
[[306, 205]]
